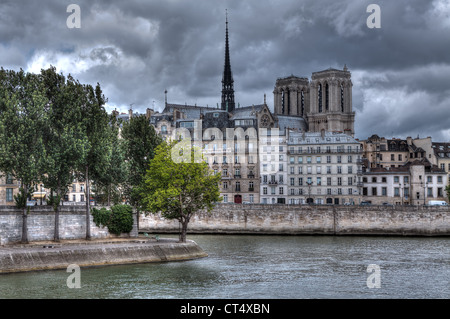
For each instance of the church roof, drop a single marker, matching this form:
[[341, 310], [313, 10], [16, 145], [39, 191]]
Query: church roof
[[247, 112]]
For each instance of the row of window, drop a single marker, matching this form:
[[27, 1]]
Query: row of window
[[10, 196], [324, 149], [214, 160], [307, 191], [401, 192], [237, 173], [251, 198], [301, 201], [318, 181], [318, 159], [397, 179], [237, 186]]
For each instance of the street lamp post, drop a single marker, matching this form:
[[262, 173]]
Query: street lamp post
[[402, 190], [309, 190]]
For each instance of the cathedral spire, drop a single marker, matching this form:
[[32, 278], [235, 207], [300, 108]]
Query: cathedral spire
[[227, 78]]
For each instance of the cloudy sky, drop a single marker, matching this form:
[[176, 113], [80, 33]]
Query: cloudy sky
[[136, 49]]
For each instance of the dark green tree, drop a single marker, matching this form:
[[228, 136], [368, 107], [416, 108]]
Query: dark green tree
[[22, 116], [108, 184], [178, 190], [140, 140], [64, 136], [94, 121]]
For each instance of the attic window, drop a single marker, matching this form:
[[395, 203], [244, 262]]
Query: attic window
[[216, 114]]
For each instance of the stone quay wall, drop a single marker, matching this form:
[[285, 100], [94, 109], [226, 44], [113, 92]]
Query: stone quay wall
[[41, 224], [33, 257], [305, 219]]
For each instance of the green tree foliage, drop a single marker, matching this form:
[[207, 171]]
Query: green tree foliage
[[119, 219], [179, 190], [22, 153], [65, 141], [94, 121], [108, 184], [140, 141]]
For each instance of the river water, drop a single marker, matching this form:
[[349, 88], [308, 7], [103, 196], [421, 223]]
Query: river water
[[263, 267]]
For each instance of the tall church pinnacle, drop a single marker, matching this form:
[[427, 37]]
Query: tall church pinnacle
[[227, 78]]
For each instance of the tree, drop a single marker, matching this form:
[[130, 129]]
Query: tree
[[140, 140], [95, 123], [179, 190], [108, 184], [22, 116], [65, 141]]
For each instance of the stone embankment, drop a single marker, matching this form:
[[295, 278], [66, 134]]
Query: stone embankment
[[305, 219], [51, 255]]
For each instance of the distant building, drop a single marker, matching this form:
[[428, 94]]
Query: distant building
[[324, 168], [414, 183], [8, 189], [441, 152]]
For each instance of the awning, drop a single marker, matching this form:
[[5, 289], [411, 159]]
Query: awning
[[39, 195]]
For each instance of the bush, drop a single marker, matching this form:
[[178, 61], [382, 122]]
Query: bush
[[118, 220]]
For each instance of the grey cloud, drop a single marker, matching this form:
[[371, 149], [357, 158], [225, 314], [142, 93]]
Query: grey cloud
[[137, 49]]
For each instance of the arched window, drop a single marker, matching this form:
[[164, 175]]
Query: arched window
[[302, 105], [320, 97], [288, 102], [342, 97], [283, 99], [327, 97]]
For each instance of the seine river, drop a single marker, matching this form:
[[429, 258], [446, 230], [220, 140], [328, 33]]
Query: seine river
[[264, 267]]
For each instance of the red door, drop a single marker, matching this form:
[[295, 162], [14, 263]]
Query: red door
[[237, 199]]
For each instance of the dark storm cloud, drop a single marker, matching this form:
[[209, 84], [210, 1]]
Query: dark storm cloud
[[138, 49]]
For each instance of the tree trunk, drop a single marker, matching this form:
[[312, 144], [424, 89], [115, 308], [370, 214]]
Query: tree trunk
[[25, 217], [109, 195], [183, 232], [56, 204], [25, 226], [56, 236], [88, 202]]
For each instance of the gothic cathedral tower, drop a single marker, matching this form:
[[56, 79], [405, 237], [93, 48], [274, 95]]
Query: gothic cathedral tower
[[227, 79], [325, 102], [331, 102]]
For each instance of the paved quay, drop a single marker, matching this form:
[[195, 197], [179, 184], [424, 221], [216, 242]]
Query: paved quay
[[48, 255]]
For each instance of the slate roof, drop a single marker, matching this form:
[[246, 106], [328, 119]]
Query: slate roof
[[297, 123]]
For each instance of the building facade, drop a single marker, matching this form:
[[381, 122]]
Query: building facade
[[324, 168], [415, 183]]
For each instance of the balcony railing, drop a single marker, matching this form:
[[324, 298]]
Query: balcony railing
[[250, 176]]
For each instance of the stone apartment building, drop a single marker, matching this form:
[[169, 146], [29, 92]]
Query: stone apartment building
[[441, 154], [324, 168], [8, 189], [414, 183], [404, 171]]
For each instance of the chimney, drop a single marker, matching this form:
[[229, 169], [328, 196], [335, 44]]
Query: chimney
[[149, 113]]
